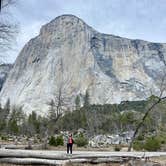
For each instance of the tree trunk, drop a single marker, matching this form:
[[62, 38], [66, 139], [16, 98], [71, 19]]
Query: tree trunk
[[141, 123], [160, 99]]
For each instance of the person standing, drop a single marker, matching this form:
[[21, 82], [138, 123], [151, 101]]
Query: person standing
[[70, 144]]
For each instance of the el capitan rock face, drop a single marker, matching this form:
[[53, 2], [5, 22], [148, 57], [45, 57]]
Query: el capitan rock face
[[69, 53], [4, 70]]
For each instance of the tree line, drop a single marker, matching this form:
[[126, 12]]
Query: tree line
[[95, 119]]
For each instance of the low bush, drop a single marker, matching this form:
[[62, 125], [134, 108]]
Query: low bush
[[138, 145], [56, 141], [5, 138], [81, 141], [152, 144], [140, 138], [117, 148]]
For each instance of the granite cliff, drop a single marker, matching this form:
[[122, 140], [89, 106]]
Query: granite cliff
[[4, 70], [71, 55]]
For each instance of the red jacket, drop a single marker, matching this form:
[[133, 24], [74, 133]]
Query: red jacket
[[70, 140]]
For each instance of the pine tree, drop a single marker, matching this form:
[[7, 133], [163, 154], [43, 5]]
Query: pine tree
[[86, 99], [34, 124], [77, 102], [4, 114], [7, 108]]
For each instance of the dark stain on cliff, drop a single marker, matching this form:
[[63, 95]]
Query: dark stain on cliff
[[104, 62], [158, 48]]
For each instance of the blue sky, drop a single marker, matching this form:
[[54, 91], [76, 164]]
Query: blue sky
[[135, 19]]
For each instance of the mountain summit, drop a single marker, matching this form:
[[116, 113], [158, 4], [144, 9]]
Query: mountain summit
[[71, 56]]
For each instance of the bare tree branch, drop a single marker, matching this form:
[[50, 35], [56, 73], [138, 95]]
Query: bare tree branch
[[6, 3], [154, 104]]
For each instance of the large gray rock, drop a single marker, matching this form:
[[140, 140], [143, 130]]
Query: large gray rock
[[70, 54], [4, 70]]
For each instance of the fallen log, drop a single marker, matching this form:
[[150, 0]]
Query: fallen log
[[22, 147], [33, 161], [59, 157], [30, 154], [50, 155], [28, 161], [98, 160]]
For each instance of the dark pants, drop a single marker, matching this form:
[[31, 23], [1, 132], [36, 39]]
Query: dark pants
[[69, 148]]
